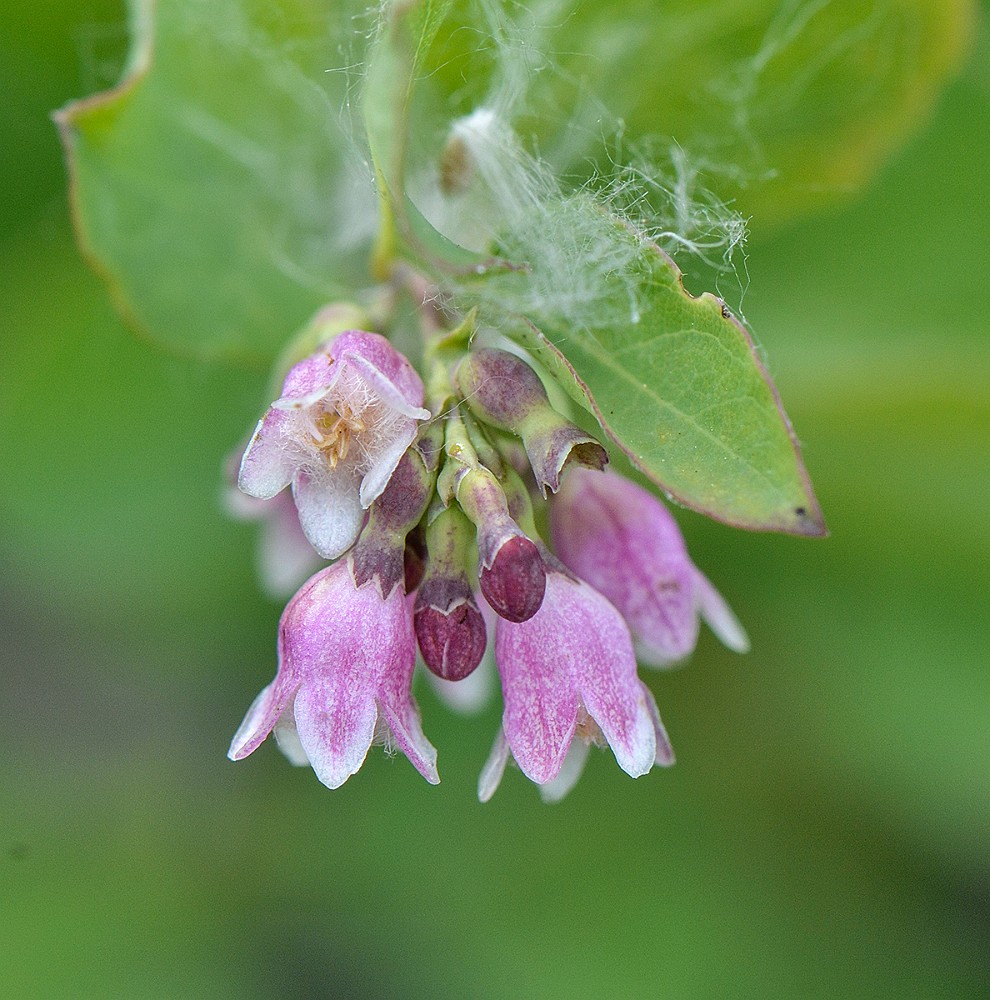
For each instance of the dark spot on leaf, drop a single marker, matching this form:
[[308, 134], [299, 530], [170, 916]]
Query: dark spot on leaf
[[800, 511]]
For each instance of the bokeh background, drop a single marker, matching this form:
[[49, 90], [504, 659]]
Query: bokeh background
[[825, 832]]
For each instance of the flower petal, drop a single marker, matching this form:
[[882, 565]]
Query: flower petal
[[491, 774], [263, 714], [330, 513], [270, 458], [536, 660], [608, 683], [396, 644], [407, 730], [384, 462], [577, 756], [335, 715], [285, 557], [307, 381], [287, 738], [719, 615], [393, 378]]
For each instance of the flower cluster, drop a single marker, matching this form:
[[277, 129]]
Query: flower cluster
[[428, 517]]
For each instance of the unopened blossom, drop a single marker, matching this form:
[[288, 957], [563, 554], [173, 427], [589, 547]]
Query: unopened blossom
[[510, 567], [449, 626], [623, 541], [503, 391], [569, 677], [337, 432], [346, 658]]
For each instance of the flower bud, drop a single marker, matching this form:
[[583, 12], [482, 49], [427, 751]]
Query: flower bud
[[380, 552], [450, 630], [510, 569], [503, 391], [449, 626], [515, 583]]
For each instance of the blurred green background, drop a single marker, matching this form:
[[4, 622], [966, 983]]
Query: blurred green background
[[825, 831]]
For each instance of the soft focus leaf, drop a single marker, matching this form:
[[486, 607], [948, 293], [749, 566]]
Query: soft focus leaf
[[224, 192], [782, 106], [218, 188]]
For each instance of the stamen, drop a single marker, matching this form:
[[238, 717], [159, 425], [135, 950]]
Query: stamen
[[332, 432]]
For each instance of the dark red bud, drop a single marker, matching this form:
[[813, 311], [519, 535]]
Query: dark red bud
[[452, 642], [516, 581]]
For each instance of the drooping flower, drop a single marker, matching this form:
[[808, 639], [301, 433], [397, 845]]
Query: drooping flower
[[346, 659], [623, 541], [346, 415], [569, 677]]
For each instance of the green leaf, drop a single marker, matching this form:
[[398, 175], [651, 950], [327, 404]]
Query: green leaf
[[223, 188], [674, 380], [217, 188], [782, 107], [405, 34]]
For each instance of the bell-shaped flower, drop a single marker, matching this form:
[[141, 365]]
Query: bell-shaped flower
[[569, 677], [624, 542], [346, 415], [346, 659]]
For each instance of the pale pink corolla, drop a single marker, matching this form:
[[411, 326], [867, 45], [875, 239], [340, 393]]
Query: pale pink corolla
[[568, 680], [346, 658], [624, 542], [337, 432]]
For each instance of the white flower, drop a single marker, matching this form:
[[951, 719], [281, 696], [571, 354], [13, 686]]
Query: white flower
[[337, 432]]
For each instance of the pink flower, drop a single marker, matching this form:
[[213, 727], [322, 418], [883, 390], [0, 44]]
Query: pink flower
[[624, 542], [570, 671], [337, 432], [346, 657]]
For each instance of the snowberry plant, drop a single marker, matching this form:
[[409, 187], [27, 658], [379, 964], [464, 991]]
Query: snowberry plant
[[449, 225]]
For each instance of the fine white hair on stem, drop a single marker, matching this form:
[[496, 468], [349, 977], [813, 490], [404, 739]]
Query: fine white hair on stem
[[489, 190]]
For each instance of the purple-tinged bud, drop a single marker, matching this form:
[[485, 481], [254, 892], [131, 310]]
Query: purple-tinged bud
[[450, 629], [516, 581], [510, 569], [380, 550], [503, 391]]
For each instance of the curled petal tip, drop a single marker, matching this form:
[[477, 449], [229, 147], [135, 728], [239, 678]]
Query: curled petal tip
[[719, 616]]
